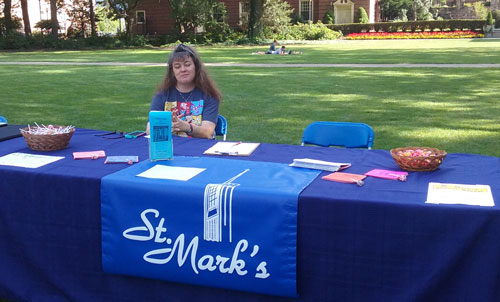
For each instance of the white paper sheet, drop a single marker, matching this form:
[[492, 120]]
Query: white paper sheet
[[26, 160], [169, 172], [444, 193], [318, 164], [232, 148]]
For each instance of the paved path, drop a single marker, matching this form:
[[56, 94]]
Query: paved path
[[265, 65]]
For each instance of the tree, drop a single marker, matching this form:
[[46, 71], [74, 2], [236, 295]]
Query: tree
[[276, 16], [363, 16], [92, 18], [53, 18], [122, 9], [105, 24], [393, 9], [44, 26], [255, 23], [82, 17], [480, 10], [8, 24], [421, 10], [26, 17], [190, 14]]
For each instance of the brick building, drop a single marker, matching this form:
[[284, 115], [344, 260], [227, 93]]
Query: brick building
[[154, 16]]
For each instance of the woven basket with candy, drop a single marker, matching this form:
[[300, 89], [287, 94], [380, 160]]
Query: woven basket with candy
[[418, 158], [47, 138]]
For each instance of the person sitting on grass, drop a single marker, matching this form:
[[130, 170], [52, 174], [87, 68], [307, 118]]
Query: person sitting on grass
[[272, 48]]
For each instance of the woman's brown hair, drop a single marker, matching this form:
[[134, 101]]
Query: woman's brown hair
[[201, 79]]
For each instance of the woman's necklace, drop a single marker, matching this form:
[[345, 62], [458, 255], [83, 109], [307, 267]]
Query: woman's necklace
[[186, 99]]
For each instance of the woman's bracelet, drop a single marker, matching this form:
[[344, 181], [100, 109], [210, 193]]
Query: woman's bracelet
[[191, 129]]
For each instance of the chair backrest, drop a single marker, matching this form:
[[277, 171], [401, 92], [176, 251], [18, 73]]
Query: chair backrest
[[221, 127], [3, 120], [349, 135]]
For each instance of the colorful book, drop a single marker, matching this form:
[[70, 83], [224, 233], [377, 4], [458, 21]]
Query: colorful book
[[160, 137]]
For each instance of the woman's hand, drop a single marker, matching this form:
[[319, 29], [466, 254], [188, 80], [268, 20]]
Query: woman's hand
[[205, 130], [178, 125]]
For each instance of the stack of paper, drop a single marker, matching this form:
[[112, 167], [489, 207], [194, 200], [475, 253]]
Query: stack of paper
[[232, 148], [479, 195], [319, 164]]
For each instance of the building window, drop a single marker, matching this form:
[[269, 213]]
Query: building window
[[244, 7], [140, 16], [218, 15], [306, 10], [244, 11]]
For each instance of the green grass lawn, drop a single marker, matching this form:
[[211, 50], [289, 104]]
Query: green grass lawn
[[338, 52], [456, 109]]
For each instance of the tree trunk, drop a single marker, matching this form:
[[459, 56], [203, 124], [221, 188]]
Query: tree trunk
[[92, 18], [9, 25], [26, 18], [53, 18], [255, 19], [128, 25]]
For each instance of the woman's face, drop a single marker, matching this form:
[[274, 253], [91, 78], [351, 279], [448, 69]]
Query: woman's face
[[184, 70]]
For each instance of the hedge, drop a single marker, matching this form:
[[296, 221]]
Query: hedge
[[411, 26]]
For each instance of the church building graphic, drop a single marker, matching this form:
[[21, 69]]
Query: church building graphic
[[217, 209]]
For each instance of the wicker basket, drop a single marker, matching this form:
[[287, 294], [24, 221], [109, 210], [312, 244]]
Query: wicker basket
[[47, 142], [418, 163]]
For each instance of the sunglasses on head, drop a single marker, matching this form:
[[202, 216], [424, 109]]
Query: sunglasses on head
[[112, 135], [183, 48]]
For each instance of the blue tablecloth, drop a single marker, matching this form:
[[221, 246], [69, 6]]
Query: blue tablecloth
[[213, 229], [379, 242]]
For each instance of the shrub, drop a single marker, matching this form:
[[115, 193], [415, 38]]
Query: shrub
[[15, 25], [317, 31], [363, 16], [13, 40], [496, 16], [489, 19], [480, 10], [329, 17], [411, 26], [45, 26]]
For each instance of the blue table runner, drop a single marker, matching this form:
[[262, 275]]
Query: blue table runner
[[234, 225]]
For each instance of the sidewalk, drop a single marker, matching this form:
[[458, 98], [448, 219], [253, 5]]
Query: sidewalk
[[266, 65]]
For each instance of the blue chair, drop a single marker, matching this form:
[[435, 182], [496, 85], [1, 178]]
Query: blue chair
[[3, 120], [349, 135], [221, 127]]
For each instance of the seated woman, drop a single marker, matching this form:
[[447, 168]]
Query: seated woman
[[272, 48], [188, 91]]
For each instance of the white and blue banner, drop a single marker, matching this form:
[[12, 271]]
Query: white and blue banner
[[234, 225]]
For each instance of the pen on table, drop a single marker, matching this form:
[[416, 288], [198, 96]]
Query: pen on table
[[400, 177], [358, 182], [226, 153]]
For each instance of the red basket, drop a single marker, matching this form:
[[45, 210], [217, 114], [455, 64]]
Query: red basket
[[430, 162]]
